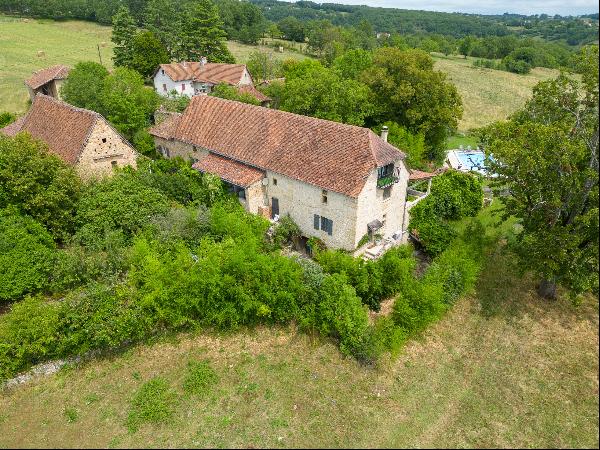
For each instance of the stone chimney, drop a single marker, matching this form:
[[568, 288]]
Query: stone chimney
[[203, 61], [384, 133]]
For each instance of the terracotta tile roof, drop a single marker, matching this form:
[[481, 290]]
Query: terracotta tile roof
[[229, 170], [249, 89], [13, 128], [43, 76], [63, 127], [331, 155], [415, 175], [211, 72], [166, 128]]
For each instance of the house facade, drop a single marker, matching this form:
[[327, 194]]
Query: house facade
[[81, 138], [337, 182], [47, 81], [195, 78]]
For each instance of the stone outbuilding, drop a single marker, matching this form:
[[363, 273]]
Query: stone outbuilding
[[338, 182], [47, 81], [82, 138]]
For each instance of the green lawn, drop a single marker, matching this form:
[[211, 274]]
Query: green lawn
[[62, 43], [501, 369], [488, 95]]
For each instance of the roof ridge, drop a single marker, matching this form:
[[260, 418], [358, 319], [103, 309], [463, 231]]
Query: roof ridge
[[68, 105]]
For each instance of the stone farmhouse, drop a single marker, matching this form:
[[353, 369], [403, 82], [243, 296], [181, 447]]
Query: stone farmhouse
[[47, 81], [337, 182], [81, 138], [195, 78]]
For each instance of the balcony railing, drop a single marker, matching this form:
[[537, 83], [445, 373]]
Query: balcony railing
[[386, 181]]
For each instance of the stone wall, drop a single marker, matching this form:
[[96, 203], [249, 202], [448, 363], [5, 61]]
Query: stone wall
[[255, 197], [372, 205], [178, 148], [105, 149]]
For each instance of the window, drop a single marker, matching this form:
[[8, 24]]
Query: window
[[387, 192], [274, 181], [327, 225], [385, 171], [104, 140], [163, 72], [323, 223], [113, 163], [274, 207], [383, 220], [182, 86], [324, 196], [164, 86]]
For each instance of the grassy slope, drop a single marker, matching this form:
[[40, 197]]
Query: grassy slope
[[63, 43], [487, 94], [502, 369]]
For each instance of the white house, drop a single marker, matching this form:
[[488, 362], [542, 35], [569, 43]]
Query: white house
[[199, 77], [337, 182]]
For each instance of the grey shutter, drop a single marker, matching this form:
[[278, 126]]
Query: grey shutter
[[316, 222]]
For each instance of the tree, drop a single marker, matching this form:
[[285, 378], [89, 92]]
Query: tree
[[314, 90], [126, 102], [226, 91], [292, 29], [26, 254], [6, 118], [202, 34], [412, 144], [465, 45], [262, 66], [147, 53], [352, 63], [408, 91], [547, 158], [38, 183], [162, 18], [123, 32], [83, 86]]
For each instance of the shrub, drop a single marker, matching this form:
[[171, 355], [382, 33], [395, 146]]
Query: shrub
[[154, 402], [6, 118], [199, 378], [286, 230], [122, 203], [26, 255], [386, 336], [38, 183], [28, 335], [433, 233]]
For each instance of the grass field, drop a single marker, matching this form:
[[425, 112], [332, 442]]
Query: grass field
[[62, 43], [502, 369], [488, 94]]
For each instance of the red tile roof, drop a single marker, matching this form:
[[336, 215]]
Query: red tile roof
[[331, 155], [63, 127], [229, 170], [166, 129], [249, 89], [415, 175], [211, 72], [43, 76]]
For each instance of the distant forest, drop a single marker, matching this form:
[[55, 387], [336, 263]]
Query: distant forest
[[574, 31]]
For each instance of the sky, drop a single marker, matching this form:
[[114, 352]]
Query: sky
[[551, 7]]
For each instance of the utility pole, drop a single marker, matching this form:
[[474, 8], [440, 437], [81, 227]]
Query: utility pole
[[99, 55]]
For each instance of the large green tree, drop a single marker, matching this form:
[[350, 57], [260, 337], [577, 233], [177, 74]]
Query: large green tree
[[38, 183], [147, 53], [126, 102], [410, 92], [83, 86], [201, 33], [162, 18], [547, 157], [124, 30]]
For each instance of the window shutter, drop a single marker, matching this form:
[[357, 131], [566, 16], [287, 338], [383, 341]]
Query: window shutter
[[316, 222], [329, 227]]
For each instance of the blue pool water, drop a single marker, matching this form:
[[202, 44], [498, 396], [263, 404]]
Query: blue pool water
[[471, 160]]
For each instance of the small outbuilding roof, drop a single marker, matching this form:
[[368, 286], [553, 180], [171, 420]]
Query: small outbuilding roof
[[46, 75], [229, 170]]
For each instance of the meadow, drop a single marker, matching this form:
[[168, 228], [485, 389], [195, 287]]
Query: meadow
[[487, 94], [502, 369]]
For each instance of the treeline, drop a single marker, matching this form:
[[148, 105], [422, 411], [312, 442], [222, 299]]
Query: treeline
[[97, 266], [572, 30]]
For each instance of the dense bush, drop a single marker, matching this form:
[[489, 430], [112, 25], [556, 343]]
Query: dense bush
[[26, 255], [122, 203], [38, 183], [454, 195]]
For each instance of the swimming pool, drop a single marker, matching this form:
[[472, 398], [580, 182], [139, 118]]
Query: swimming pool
[[467, 160]]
